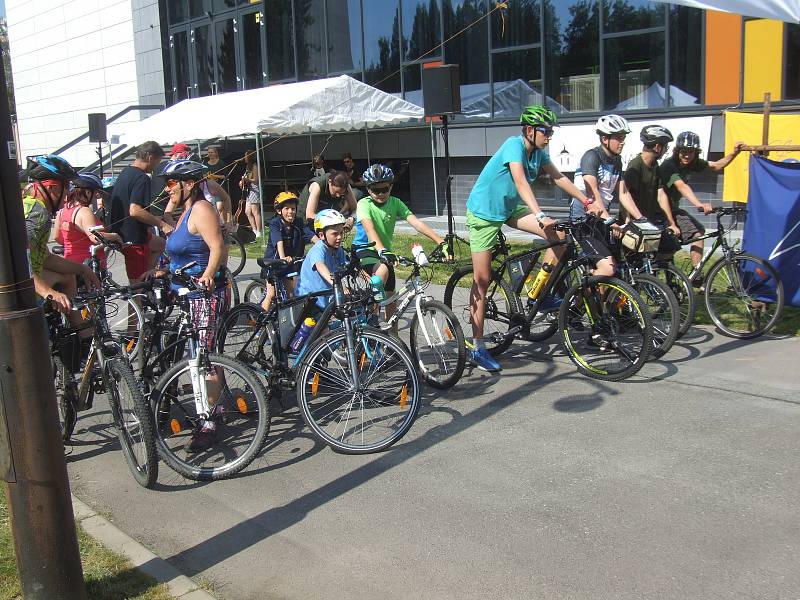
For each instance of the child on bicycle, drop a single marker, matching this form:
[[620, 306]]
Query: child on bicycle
[[326, 257], [288, 237], [377, 213]]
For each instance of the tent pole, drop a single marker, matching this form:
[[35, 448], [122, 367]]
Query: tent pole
[[433, 165], [260, 187], [366, 138]]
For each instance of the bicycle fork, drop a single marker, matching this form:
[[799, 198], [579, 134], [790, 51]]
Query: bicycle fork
[[199, 387]]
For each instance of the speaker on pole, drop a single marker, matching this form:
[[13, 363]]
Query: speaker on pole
[[97, 127], [441, 90]]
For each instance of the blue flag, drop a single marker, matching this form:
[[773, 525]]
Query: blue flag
[[772, 230]]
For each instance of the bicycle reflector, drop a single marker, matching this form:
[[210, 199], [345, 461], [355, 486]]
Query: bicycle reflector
[[404, 396], [315, 384], [175, 426], [241, 405]]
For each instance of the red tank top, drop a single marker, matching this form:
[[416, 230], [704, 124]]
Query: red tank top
[[76, 242]]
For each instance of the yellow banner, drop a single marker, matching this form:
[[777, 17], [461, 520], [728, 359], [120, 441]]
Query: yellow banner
[[784, 130]]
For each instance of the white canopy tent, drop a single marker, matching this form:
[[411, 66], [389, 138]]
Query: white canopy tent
[[783, 10]]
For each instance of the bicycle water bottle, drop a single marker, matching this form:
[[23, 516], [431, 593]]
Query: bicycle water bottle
[[418, 252], [540, 281], [299, 339], [378, 291]]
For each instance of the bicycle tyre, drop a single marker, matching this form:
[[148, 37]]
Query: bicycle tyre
[[66, 398], [132, 421], [664, 312], [126, 330], [763, 288], [682, 289], [501, 305], [237, 255], [238, 336], [591, 341], [244, 398], [441, 355], [390, 388], [254, 291]]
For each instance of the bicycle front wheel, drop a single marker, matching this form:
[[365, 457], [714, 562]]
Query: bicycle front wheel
[[239, 413], [664, 311], [437, 344], [358, 399], [66, 398], [682, 289], [237, 256], [606, 328], [134, 422], [501, 305], [744, 296]]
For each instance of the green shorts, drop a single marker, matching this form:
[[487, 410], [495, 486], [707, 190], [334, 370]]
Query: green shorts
[[483, 233]]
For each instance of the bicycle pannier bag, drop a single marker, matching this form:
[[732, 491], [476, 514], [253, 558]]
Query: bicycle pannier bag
[[641, 237]]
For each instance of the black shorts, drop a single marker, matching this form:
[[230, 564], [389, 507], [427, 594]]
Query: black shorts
[[391, 282], [689, 226]]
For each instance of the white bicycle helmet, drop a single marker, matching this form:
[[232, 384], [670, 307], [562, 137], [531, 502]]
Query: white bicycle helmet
[[328, 218], [611, 124]]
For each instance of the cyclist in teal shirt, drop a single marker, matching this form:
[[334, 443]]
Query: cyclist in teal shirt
[[503, 195]]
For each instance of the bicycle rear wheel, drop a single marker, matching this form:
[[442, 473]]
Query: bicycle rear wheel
[[501, 306], [66, 398], [664, 311], [606, 328], [682, 289], [254, 291], [437, 344], [134, 422], [240, 335], [233, 287], [744, 296], [240, 415], [362, 409], [237, 256]]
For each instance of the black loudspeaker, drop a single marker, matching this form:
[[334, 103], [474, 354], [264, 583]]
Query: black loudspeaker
[[97, 127], [441, 90]]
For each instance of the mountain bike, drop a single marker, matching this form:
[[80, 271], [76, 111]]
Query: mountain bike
[[605, 326]]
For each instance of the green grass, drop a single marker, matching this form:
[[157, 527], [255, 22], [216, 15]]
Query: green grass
[[108, 576], [789, 323]]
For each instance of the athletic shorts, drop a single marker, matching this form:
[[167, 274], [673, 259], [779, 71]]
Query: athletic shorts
[[391, 281], [137, 260], [483, 233], [689, 226], [206, 314], [253, 197]]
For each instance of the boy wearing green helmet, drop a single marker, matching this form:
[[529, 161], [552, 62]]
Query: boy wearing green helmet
[[503, 195]]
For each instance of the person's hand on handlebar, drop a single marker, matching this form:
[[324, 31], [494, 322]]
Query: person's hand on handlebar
[[547, 222], [705, 208], [388, 256], [675, 230], [60, 302], [206, 281]]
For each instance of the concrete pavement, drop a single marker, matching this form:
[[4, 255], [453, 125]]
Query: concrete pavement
[[678, 483]]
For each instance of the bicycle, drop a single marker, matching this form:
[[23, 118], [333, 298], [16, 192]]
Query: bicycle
[[187, 385], [605, 326], [743, 293], [357, 388], [106, 370], [237, 255]]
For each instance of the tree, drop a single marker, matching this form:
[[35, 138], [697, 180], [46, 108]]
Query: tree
[[4, 49]]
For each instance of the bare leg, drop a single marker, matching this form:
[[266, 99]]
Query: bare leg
[[481, 273], [696, 252]]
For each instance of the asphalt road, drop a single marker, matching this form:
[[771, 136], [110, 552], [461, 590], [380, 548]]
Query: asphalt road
[[679, 483]]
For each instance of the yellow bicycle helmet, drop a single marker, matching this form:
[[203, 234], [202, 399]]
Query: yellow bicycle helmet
[[283, 198]]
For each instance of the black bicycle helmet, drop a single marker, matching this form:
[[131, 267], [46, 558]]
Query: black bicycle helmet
[[50, 166], [655, 134], [688, 139], [538, 116], [88, 181], [182, 170], [376, 174]]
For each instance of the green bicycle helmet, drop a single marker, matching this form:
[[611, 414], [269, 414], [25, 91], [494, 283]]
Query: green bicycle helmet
[[538, 116]]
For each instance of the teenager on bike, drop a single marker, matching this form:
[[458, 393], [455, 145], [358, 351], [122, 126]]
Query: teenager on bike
[[503, 195], [53, 275], [599, 178], [288, 237], [377, 214], [325, 257], [675, 173]]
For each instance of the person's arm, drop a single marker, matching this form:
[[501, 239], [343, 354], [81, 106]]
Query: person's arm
[[85, 220], [323, 271], [61, 301], [314, 191], [524, 189], [597, 207], [563, 182], [718, 165], [205, 220], [372, 234], [627, 202], [663, 202], [58, 264], [686, 191], [424, 229], [224, 202]]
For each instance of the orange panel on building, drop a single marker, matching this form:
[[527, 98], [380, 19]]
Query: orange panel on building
[[723, 57]]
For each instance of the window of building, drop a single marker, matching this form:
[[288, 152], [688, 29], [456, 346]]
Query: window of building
[[199, 8], [685, 55], [422, 29], [226, 56], [177, 11], [517, 82], [179, 55], [382, 45], [634, 72], [203, 44], [469, 50], [517, 25], [253, 70], [629, 15], [280, 40], [572, 55], [791, 77], [344, 36], [309, 21]]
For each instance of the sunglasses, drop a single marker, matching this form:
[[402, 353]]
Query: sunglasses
[[380, 190], [547, 131], [171, 183]]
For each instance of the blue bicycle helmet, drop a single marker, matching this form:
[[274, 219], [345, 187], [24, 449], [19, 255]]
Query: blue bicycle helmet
[[50, 166], [89, 181], [376, 174], [182, 170]]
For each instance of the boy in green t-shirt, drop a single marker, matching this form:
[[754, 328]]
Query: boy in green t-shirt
[[377, 213]]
